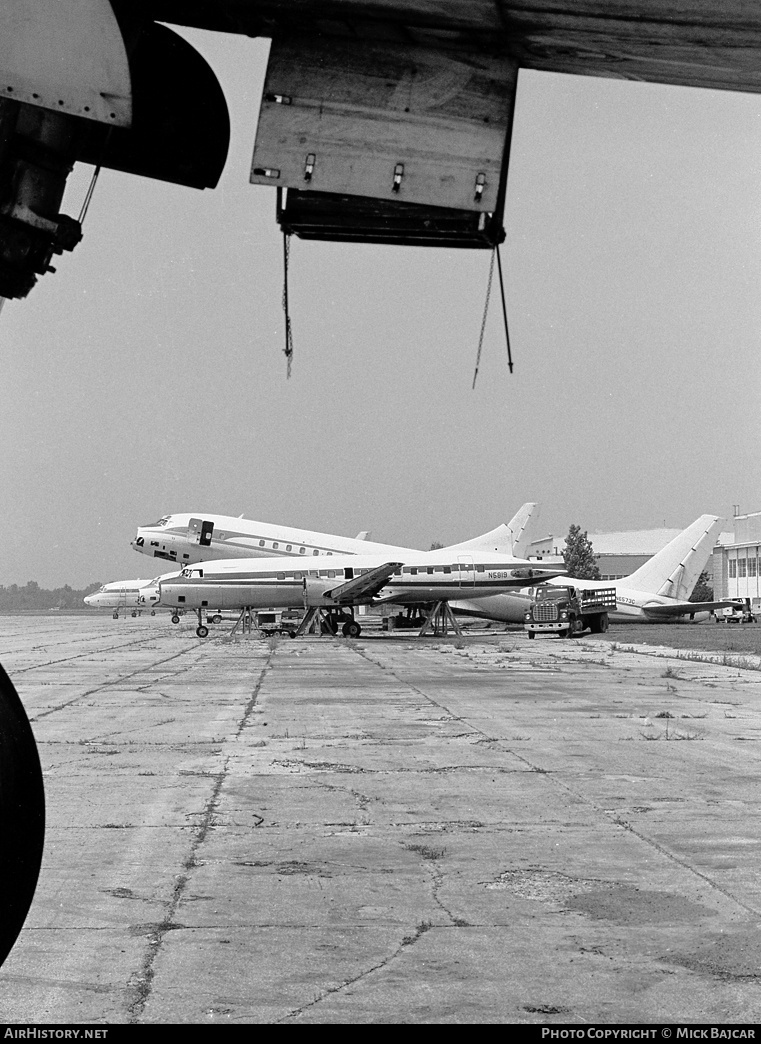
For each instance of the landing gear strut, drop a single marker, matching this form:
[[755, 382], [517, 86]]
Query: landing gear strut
[[201, 631]]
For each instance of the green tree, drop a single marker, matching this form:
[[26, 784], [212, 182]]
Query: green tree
[[703, 591], [436, 545], [579, 556]]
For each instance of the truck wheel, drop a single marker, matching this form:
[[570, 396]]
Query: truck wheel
[[604, 623], [351, 629], [216, 618], [531, 634]]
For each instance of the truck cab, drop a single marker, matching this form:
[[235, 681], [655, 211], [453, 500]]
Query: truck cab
[[568, 610], [741, 612]]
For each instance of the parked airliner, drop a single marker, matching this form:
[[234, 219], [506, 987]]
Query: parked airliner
[[336, 581], [187, 538], [133, 595], [657, 592]]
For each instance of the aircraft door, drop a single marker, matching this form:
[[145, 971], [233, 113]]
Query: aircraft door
[[467, 571], [201, 532]]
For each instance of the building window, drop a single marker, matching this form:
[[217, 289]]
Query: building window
[[741, 566], [752, 566], [732, 567]]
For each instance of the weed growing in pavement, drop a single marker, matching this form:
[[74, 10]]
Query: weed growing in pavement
[[427, 852]]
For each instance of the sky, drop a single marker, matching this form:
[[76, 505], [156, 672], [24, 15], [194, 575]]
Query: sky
[[147, 375]]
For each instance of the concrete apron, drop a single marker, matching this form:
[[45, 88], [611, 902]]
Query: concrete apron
[[385, 830]]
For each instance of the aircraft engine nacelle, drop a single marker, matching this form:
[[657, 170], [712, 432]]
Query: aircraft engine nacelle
[[78, 85], [314, 592]]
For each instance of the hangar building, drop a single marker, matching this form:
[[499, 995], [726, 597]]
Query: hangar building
[[737, 561]]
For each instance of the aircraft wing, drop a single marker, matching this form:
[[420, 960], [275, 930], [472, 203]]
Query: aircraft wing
[[384, 121], [365, 586], [665, 612]]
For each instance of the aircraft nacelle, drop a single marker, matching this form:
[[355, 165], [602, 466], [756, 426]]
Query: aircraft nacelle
[[314, 592], [78, 85]]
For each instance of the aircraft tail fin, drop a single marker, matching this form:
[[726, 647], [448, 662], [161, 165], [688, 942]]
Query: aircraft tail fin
[[511, 538], [675, 569]]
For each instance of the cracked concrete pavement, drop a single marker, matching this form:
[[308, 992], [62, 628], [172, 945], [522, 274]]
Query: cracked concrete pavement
[[385, 830]]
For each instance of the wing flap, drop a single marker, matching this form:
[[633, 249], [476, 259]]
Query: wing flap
[[364, 586]]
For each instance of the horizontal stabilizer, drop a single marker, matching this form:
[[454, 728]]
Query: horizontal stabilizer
[[684, 608], [364, 586]]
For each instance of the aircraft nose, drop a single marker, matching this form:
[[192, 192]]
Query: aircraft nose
[[138, 542]]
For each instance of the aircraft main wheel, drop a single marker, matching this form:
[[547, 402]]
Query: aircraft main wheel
[[153, 612], [351, 629], [291, 634], [202, 631], [22, 815], [116, 616], [175, 619]]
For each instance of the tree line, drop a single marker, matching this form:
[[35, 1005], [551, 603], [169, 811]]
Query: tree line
[[32, 596]]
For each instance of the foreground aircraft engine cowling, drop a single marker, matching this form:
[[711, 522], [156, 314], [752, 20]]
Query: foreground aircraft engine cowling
[[78, 84], [22, 815]]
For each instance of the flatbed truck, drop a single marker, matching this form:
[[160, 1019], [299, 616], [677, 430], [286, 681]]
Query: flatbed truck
[[568, 610]]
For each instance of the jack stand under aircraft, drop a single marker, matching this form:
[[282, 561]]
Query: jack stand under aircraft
[[244, 621], [440, 619], [327, 621]]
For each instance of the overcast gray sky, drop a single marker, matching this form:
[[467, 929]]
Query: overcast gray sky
[[147, 375]]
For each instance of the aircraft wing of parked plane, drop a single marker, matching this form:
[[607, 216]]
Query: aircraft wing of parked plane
[[659, 611], [379, 122], [188, 538]]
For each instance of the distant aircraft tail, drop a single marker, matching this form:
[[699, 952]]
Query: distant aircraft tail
[[674, 571], [512, 538]]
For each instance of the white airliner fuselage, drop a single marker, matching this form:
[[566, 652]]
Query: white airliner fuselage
[[330, 581], [187, 538], [126, 594]]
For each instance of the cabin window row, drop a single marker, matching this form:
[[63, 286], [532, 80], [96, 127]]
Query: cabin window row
[[275, 545]]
